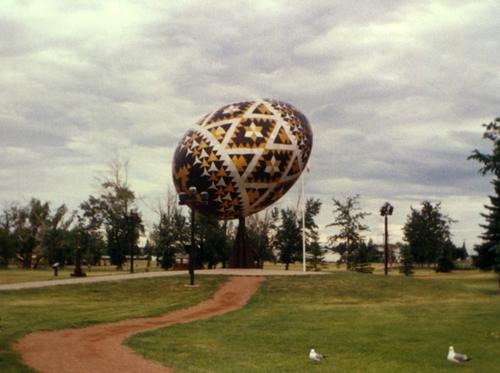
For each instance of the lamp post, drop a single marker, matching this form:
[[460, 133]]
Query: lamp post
[[191, 200], [132, 221], [385, 211], [82, 238]]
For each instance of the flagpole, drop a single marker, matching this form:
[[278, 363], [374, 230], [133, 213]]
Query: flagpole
[[303, 224]]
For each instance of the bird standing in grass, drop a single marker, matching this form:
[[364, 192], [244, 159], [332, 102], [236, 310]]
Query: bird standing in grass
[[313, 355], [455, 357]]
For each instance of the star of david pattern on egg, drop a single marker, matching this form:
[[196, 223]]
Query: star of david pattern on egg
[[246, 155]]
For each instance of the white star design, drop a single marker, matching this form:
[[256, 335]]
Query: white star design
[[231, 109], [253, 132]]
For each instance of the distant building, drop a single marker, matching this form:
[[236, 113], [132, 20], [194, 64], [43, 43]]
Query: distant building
[[394, 252], [331, 256]]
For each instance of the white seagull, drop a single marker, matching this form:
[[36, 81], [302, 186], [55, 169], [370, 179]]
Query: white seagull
[[313, 355], [456, 358]]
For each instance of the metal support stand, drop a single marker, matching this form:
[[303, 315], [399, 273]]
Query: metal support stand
[[242, 256]]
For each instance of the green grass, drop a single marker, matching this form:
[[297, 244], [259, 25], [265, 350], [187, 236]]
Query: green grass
[[58, 307], [16, 275], [364, 323]]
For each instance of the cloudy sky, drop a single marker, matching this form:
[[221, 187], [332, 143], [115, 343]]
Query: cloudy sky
[[396, 92]]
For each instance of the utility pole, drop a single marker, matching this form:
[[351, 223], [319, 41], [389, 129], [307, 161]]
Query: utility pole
[[385, 211], [191, 200]]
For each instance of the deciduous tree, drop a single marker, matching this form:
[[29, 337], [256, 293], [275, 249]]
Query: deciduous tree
[[261, 230], [349, 218], [115, 209]]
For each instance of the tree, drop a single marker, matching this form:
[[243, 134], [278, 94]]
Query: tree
[[488, 252], [171, 234], [289, 237], [460, 253], [115, 209], [7, 239], [445, 258], [32, 231], [7, 247], [365, 252], [427, 232], [55, 237], [27, 224], [261, 230], [348, 217], [213, 246], [312, 209], [406, 260]]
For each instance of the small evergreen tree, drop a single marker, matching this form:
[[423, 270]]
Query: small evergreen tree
[[406, 260], [445, 258], [360, 258], [289, 238], [460, 253], [312, 209]]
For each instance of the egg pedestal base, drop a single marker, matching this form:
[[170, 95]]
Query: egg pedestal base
[[241, 256]]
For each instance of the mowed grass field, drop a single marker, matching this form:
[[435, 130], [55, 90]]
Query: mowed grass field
[[13, 275], [364, 323], [59, 307]]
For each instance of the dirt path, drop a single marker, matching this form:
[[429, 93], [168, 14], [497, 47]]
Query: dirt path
[[99, 348]]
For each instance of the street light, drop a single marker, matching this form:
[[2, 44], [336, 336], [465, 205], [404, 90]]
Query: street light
[[82, 239], [132, 220], [385, 211], [191, 200]]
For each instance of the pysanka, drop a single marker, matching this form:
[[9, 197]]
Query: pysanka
[[245, 155]]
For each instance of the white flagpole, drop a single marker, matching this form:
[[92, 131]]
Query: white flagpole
[[303, 223]]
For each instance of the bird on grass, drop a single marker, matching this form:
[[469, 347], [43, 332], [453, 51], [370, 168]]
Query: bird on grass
[[455, 357], [313, 355]]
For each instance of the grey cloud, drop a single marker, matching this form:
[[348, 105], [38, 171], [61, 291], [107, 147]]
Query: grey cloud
[[13, 135], [393, 118]]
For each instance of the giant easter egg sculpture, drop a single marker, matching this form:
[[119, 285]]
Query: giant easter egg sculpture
[[246, 155]]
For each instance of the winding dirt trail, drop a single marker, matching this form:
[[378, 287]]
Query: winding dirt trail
[[99, 348]]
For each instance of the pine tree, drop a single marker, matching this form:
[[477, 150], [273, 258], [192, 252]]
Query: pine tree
[[488, 252], [428, 234], [445, 258], [289, 237], [406, 260], [313, 248], [460, 252]]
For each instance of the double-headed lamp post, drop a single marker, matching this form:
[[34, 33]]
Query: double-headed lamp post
[[385, 211], [191, 200]]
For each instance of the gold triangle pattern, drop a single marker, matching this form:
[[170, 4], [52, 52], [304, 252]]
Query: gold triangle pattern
[[245, 155]]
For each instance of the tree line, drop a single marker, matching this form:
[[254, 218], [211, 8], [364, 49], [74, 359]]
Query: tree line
[[110, 224]]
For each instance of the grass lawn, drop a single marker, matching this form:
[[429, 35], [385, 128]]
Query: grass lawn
[[13, 275], [24, 311], [364, 323]]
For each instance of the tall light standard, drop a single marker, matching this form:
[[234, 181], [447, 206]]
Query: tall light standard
[[385, 211], [133, 221], [82, 241], [191, 200]]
